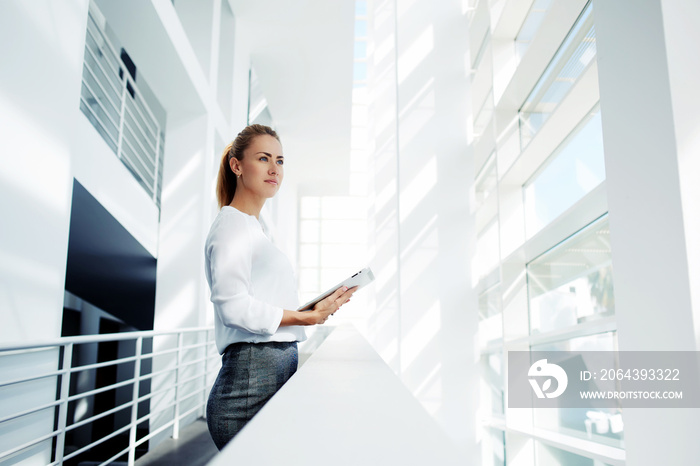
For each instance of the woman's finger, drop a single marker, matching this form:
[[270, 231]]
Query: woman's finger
[[337, 294]]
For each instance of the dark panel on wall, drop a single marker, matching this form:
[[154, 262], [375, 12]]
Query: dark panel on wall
[[106, 265]]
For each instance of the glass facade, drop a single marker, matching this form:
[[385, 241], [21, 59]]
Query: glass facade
[[542, 265]]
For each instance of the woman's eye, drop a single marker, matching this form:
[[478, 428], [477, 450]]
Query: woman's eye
[[263, 159], [280, 162]]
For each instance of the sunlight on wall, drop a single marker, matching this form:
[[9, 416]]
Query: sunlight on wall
[[419, 188], [416, 53], [486, 256], [183, 176], [420, 335], [37, 156], [177, 309]]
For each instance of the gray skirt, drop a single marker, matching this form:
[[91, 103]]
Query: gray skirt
[[250, 374]]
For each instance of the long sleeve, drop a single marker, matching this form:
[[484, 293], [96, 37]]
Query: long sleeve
[[229, 253]]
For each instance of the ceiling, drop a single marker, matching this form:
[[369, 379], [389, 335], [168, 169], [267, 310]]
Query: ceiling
[[302, 52]]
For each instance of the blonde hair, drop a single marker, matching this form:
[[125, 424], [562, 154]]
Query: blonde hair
[[226, 182]]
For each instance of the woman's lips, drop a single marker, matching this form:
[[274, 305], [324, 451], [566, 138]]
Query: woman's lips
[[271, 182]]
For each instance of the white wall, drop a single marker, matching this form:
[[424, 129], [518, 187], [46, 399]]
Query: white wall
[[646, 61], [423, 230]]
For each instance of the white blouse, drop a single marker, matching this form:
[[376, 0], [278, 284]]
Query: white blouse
[[251, 282]]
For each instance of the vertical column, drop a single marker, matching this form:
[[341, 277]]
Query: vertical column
[[680, 21], [650, 261], [384, 326], [438, 305]]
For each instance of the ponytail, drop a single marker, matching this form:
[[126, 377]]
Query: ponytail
[[226, 181]]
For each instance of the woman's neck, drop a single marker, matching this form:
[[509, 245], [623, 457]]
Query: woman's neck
[[247, 204]]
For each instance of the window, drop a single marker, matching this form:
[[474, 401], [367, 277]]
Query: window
[[575, 168], [600, 425], [530, 26], [573, 282], [574, 55]]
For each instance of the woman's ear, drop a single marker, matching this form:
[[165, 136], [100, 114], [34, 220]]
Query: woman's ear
[[235, 165]]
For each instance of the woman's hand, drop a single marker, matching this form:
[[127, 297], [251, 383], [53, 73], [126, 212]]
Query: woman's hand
[[327, 307], [321, 311]]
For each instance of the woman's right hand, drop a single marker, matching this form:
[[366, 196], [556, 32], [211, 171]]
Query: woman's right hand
[[327, 307]]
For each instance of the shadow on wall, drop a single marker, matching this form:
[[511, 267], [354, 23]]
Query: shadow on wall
[[425, 212]]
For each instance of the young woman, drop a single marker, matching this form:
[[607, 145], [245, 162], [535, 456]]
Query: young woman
[[252, 287]]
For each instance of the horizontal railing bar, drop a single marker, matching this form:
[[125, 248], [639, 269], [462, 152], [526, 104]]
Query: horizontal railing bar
[[190, 379], [25, 352], [75, 425], [150, 435], [157, 411], [98, 365], [49, 405], [107, 43], [76, 369], [136, 138], [117, 90], [195, 392], [160, 372], [55, 373], [99, 102], [131, 158], [107, 73], [152, 133], [151, 149], [94, 114], [190, 411], [194, 361], [123, 452], [96, 442], [152, 394], [96, 117], [100, 338], [14, 450], [104, 106], [53, 404], [79, 396]]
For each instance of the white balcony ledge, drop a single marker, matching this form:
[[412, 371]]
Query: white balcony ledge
[[343, 406]]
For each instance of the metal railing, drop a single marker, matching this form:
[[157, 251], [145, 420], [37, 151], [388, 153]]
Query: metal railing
[[162, 379], [111, 100]]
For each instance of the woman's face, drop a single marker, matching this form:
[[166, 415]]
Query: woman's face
[[261, 170]]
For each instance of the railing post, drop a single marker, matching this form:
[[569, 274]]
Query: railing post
[[204, 381], [122, 113], [66, 365], [176, 424], [135, 399], [156, 161]]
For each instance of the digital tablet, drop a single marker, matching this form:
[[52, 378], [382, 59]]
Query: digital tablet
[[360, 279]]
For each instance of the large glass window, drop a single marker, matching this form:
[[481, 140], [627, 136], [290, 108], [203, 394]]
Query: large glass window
[[575, 168], [530, 26], [575, 54], [602, 425], [573, 282]]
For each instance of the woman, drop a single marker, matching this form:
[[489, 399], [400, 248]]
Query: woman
[[252, 287]]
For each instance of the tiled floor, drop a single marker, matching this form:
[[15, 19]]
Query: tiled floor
[[194, 448]]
